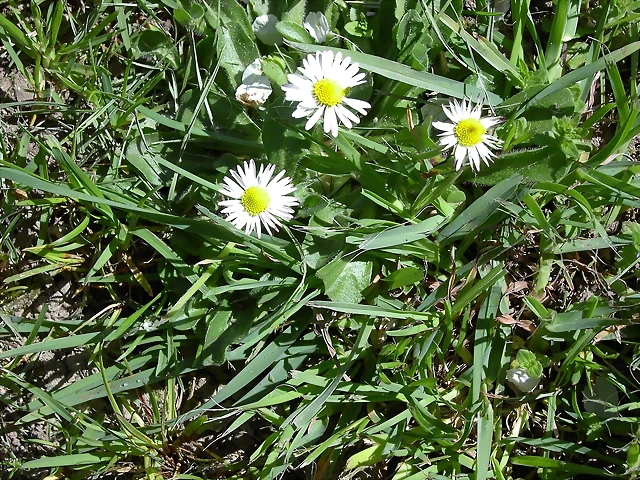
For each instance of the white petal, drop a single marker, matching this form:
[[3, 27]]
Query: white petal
[[330, 122], [489, 122], [359, 105], [265, 176], [234, 202], [460, 154], [315, 64], [340, 112], [317, 26], [314, 118], [484, 153], [278, 178], [492, 141], [474, 159], [302, 112], [269, 221], [326, 61], [449, 114], [337, 61], [300, 82], [250, 226], [462, 108], [476, 111], [346, 116], [348, 113], [448, 141], [445, 127], [231, 188], [239, 179], [352, 81]]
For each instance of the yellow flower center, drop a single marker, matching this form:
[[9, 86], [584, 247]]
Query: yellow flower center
[[328, 92], [469, 132], [255, 200]]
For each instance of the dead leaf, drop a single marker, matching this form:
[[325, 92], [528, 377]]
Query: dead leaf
[[507, 319], [20, 194], [615, 329], [516, 287]]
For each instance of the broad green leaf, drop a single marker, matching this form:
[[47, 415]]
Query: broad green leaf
[[284, 146], [294, 32], [66, 461], [368, 456], [547, 164], [404, 276], [228, 324], [295, 14], [560, 465], [479, 211], [402, 234], [155, 43], [345, 280], [138, 155], [236, 50], [192, 16], [529, 362], [322, 243], [54, 344]]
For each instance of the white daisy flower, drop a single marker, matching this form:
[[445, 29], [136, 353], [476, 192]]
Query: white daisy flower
[[257, 199], [520, 378], [467, 134], [147, 326], [317, 26], [322, 89], [264, 28], [255, 87]]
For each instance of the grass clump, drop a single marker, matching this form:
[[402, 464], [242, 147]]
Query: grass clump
[[430, 271]]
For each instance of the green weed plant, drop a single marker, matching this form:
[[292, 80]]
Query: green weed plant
[[370, 337]]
